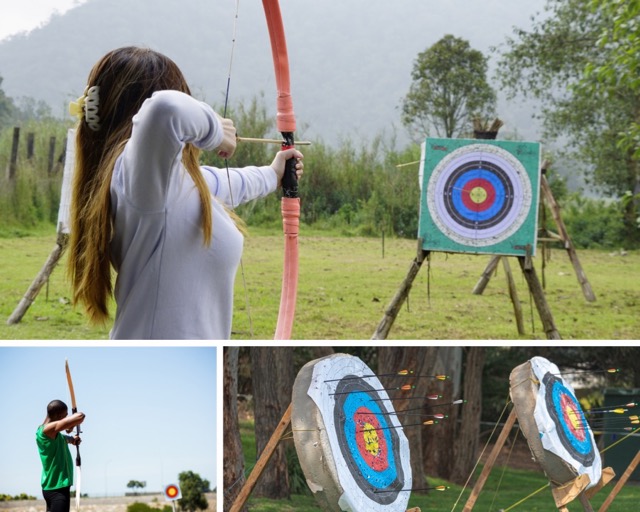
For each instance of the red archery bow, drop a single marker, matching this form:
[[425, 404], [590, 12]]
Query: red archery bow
[[290, 206]]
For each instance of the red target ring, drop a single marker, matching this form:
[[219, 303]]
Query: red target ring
[[478, 194], [372, 445]]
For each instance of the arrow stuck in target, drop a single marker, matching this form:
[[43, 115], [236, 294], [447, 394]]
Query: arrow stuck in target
[[406, 387], [401, 373], [371, 429]]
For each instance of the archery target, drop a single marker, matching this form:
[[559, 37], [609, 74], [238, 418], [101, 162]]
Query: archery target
[[479, 197], [349, 441], [571, 425], [553, 422]]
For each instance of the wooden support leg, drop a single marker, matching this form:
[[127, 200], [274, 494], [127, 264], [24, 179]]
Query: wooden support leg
[[390, 314], [568, 245], [539, 299], [513, 295], [491, 460], [251, 482], [40, 280], [620, 484], [486, 275]]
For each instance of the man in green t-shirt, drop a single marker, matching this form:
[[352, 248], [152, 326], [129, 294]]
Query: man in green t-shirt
[[57, 465]]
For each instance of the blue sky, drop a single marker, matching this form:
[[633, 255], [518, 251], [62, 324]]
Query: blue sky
[[150, 414]]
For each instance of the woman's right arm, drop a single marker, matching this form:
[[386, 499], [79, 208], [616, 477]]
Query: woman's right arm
[[165, 123]]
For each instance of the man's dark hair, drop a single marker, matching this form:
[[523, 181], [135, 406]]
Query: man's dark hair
[[57, 409]]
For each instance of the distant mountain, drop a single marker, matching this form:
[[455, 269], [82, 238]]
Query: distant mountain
[[350, 61]]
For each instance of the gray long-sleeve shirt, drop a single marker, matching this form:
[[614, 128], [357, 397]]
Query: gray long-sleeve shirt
[[169, 285]]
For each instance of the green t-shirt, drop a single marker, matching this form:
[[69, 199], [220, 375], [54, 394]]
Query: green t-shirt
[[57, 465]]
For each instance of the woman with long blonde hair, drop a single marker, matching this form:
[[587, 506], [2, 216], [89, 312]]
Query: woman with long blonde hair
[[142, 204]]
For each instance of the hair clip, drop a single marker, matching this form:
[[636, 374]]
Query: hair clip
[[86, 107]]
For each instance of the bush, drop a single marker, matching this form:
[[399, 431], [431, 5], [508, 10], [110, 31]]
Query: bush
[[593, 223], [143, 507]]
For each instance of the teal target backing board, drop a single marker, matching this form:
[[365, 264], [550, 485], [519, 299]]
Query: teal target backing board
[[479, 196]]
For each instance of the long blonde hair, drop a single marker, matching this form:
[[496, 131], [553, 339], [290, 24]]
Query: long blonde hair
[[126, 77]]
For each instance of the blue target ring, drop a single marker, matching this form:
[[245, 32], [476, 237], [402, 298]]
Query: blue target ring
[[458, 189], [567, 415], [353, 430]]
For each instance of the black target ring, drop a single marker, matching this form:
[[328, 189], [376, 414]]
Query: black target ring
[[464, 216]]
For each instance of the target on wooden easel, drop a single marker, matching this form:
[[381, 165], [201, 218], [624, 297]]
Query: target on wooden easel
[[479, 197]]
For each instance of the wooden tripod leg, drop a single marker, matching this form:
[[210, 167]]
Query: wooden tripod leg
[[251, 482], [620, 484], [513, 295], [486, 275], [390, 314], [568, 245], [40, 280], [491, 460], [540, 300]]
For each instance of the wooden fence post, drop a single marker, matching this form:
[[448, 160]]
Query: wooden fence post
[[13, 162], [52, 151], [31, 138]]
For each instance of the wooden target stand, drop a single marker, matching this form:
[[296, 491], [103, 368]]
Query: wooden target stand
[[62, 238], [528, 270], [545, 237], [564, 494], [481, 131], [263, 460]]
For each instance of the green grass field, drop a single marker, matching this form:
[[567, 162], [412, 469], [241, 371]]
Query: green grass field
[[345, 285], [506, 489]]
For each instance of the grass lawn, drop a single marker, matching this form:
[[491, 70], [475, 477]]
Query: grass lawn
[[345, 285], [506, 489]]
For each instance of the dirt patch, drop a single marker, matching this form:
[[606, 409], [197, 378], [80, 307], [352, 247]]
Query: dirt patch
[[112, 504]]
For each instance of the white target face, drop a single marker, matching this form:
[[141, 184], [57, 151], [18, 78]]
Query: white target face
[[479, 195], [350, 443]]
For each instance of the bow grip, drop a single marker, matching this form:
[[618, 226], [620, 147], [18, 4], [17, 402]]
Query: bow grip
[[290, 178]]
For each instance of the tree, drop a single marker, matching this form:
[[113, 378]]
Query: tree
[[272, 379], [468, 429], [7, 108], [449, 88], [621, 41], [570, 61], [193, 488], [418, 359], [136, 484], [233, 467]]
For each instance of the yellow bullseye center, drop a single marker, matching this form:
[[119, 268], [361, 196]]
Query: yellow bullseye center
[[478, 195], [371, 439], [573, 417]]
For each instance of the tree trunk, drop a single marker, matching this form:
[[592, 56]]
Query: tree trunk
[[438, 439], [233, 467], [272, 378], [466, 441], [418, 359]]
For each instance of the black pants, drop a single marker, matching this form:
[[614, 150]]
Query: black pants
[[58, 500]]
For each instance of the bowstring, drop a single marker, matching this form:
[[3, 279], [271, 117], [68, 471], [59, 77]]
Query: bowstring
[[226, 160]]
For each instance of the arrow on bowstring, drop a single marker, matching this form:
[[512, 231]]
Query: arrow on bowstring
[[74, 410]]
